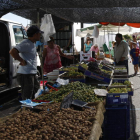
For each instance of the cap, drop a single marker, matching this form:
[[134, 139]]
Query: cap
[[33, 29]]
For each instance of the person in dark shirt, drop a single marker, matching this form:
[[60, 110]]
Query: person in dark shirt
[[134, 53]]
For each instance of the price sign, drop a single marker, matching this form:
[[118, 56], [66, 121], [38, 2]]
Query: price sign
[[67, 101]]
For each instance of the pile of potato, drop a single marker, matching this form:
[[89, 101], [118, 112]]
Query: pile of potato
[[55, 124]]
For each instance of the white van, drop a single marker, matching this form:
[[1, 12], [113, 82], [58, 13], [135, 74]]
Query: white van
[[11, 34]]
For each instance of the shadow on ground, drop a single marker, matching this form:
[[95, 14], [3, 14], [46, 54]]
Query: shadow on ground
[[133, 134]]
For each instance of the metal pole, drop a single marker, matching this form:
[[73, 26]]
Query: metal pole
[[109, 46], [41, 50], [108, 41], [73, 40], [38, 17], [73, 51]]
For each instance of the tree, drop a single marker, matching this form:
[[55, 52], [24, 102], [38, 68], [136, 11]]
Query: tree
[[127, 37]]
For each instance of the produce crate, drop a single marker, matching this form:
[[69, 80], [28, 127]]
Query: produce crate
[[121, 72], [80, 79], [116, 123], [97, 76], [117, 98], [119, 76], [52, 76], [81, 69], [62, 71], [122, 80], [106, 67]]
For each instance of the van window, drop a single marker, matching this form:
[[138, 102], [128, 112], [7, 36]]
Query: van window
[[18, 33]]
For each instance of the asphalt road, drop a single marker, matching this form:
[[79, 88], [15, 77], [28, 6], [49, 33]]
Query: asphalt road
[[135, 106]]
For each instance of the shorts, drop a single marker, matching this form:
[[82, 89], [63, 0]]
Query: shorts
[[136, 62]]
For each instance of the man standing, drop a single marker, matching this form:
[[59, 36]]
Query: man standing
[[121, 51], [26, 54]]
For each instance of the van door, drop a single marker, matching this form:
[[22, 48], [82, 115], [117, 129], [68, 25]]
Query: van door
[[4, 56], [16, 32]]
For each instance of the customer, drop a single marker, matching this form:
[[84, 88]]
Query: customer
[[134, 40], [25, 53], [113, 44], [134, 53], [87, 45], [51, 56], [95, 49], [121, 51]]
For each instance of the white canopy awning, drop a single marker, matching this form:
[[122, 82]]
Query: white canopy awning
[[111, 29]]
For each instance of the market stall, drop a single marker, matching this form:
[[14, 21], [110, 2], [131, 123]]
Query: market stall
[[58, 117], [73, 99]]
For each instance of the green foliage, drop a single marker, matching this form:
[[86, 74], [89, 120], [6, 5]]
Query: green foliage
[[127, 37]]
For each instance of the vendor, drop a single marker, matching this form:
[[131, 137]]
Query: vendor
[[51, 56], [87, 45], [95, 49], [121, 51]]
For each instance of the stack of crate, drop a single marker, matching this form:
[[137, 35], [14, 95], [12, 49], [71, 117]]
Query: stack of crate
[[117, 116]]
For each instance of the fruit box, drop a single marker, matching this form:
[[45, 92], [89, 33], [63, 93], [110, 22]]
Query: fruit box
[[117, 99], [106, 67], [62, 71], [97, 76], [81, 68], [120, 69], [122, 80], [72, 79]]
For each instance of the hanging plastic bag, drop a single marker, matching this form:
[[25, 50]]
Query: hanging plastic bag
[[95, 32], [47, 26]]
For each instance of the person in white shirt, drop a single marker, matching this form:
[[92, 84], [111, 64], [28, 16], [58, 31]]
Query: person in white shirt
[[121, 51], [26, 54]]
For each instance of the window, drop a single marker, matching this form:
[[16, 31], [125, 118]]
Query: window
[[18, 33]]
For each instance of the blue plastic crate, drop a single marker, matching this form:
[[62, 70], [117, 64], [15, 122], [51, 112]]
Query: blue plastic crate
[[116, 123], [97, 76], [81, 68], [128, 120], [117, 99]]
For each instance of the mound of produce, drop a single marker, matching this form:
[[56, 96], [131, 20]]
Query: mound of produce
[[74, 74], [120, 68], [81, 91], [93, 67], [55, 124], [128, 83], [69, 69], [84, 66], [117, 90]]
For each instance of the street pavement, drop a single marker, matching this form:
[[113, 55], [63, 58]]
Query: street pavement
[[135, 106]]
